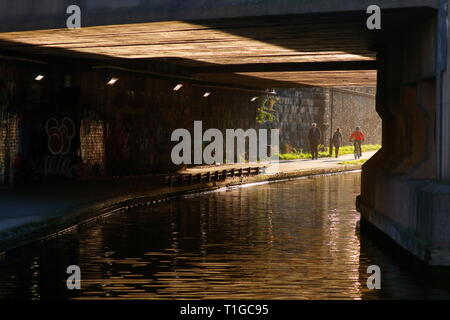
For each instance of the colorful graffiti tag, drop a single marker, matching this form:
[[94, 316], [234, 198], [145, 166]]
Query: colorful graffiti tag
[[60, 135]]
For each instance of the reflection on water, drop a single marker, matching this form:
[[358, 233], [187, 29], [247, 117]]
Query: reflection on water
[[290, 240]]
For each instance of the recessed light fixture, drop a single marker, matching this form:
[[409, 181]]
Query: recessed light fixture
[[254, 99], [206, 94], [178, 87], [39, 77], [112, 81]]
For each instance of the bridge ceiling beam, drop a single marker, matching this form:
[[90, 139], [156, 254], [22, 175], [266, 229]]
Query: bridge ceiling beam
[[20, 15], [304, 50]]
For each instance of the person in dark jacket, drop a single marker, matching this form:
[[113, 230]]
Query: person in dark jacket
[[314, 136], [337, 141]]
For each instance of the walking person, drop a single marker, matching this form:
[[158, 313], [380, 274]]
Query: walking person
[[314, 136], [357, 137], [337, 141]]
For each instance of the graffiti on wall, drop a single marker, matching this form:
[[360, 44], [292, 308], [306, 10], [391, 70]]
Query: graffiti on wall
[[60, 135]]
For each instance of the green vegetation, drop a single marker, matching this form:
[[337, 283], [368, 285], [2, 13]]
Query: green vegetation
[[360, 161], [265, 111], [299, 154]]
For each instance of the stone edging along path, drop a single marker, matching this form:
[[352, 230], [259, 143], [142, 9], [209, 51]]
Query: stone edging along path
[[70, 220]]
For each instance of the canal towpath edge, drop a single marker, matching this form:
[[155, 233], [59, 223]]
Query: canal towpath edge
[[37, 212]]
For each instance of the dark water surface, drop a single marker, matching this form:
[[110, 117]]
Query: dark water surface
[[289, 240]]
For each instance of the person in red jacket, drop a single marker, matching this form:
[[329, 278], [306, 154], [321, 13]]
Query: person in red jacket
[[357, 138]]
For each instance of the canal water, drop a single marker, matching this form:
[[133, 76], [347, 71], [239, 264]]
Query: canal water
[[290, 240]]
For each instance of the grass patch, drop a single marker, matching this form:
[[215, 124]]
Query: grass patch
[[325, 154], [360, 161]]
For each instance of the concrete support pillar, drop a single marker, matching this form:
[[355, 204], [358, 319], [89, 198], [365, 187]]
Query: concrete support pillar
[[405, 186]]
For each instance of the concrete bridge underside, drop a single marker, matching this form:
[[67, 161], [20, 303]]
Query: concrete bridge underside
[[255, 44]]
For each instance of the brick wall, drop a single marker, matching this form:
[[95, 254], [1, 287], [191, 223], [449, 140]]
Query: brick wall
[[330, 108], [72, 124], [10, 139], [356, 107], [92, 145]]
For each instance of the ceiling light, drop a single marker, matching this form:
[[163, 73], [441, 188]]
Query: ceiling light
[[254, 99], [177, 87], [206, 94], [112, 81], [39, 77]]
